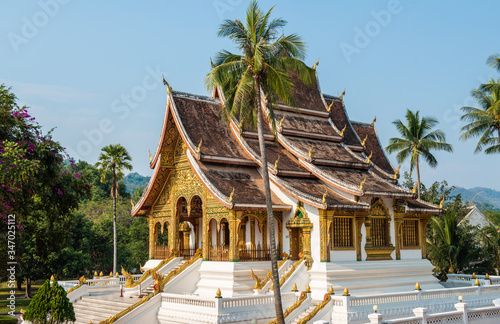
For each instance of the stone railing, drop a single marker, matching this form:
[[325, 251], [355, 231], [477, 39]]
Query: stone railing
[[326, 299], [220, 310], [71, 285], [303, 297], [468, 278], [289, 273], [263, 286], [131, 281], [135, 276]]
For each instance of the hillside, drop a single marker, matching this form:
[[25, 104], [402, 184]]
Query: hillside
[[483, 195], [134, 180]]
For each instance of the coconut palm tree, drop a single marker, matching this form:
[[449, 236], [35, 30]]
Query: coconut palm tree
[[113, 159], [267, 57], [484, 122], [417, 140]]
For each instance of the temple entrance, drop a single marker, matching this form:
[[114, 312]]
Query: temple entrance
[[296, 243], [161, 250], [190, 224]]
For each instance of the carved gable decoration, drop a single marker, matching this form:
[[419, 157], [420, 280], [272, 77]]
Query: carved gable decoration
[[378, 208]]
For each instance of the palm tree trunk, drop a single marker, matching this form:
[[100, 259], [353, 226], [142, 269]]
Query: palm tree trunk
[[418, 179], [270, 218], [114, 222]]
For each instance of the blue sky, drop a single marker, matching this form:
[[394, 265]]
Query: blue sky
[[91, 69]]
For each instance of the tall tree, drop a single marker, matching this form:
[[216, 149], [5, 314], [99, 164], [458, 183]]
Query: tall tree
[[267, 57], [484, 122], [114, 158], [417, 139]]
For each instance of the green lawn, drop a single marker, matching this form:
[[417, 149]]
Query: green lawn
[[21, 302]]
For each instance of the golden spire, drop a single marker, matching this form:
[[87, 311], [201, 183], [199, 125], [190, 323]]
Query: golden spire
[[281, 122], [417, 286], [198, 149], [276, 163], [396, 173], [315, 65], [414, 190], [343, 130], [218, 294], [150, 157], [330, 291], [374, 120], [369, 157], [361, 184], [330, 106], [342, 95], [169, 89], [346, 292], [310, 151], [308, 289], [441, 202], [364, 141], [324, 196], [231, 196]]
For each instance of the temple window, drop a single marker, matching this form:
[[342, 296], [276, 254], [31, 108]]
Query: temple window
[[410, 233], [342, 233], [380, 231]]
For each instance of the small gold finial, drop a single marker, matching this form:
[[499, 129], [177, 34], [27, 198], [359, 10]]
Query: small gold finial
[[369, 157], [414, 190], [396, 173], [132, 203], [324, 196], [101, 274], [111, 274], [310, 151], [330, 106], [417, 286], [280, 124], [342, 95], [240, 125], [294, 288], [52, 278], [218, 294], [198, 149], [374, 120], [364, 141], [330, 291], [95, 274], [276, 163], [486, 276], [346, 292], [150, 157], [308, 289], [441, 202], [315, 65], [231, 196], [343, 130], [362, 184], [476, 283], [117, 275], [473, 275], [169, 89]]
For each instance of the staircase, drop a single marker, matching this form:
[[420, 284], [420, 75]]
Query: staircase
[[306, 312], [150, 289], [99, 308]]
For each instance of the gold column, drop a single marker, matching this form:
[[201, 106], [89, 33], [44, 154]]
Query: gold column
[[323, 236], [242, 234], [234, 254], [423, 235], [186, 239], [252, 232], [207, 240], [264, 235], [306, 248], [152, 240]]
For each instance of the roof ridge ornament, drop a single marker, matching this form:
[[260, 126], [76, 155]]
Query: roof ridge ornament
[[169, 89], [198, 149], [150, 157], [362, 184], [343, 130], [323, 200], [396, 173], [231, 196], [441, 202], [330, 106], [315, 65], [281, 122], [374, 120], [369, 157], [364, 141], [414, 190], [342, 95], [310, 151], [276, 163]]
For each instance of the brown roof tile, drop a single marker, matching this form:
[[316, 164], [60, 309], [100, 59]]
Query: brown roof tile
[[372, 145], [340, 119], [305, 123]]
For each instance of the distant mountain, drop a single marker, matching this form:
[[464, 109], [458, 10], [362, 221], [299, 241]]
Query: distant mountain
[[134, 180], [483, 195]]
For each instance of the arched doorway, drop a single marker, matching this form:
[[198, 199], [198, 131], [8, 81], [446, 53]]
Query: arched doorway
[[299, 228], [162, 250]]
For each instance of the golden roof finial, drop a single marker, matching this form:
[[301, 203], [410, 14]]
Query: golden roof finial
[[52, 278], [330, 291], [342, 95], [310, 151], [330, 106], [150, 157], [276, 163], [362, 184], [315, 65], [414, 190], [324, 196], [364, 141], [374, 120], [218, 294], [417, 286], [369, 157], [231, 196], [343, 130], [308, 289], [169, 89], [198, 149], [346, 292], [281, 122], [441, 202], [294, 288], [396, 173]]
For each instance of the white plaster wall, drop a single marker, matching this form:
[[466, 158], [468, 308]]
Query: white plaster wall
[[363, 242], [336, 256], [411, 254], [288, 200], [389, 204], [313, 214]]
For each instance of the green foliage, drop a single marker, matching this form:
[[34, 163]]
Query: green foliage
[[50, 305], [4, 319], [134, 180]]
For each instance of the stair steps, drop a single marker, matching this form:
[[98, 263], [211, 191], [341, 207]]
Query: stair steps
[[306, 312], [150, 288]]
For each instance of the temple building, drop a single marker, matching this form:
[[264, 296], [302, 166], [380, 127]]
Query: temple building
[[335, 195]]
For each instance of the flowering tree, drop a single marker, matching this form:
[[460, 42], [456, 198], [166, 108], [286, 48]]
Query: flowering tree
[[38, 186]]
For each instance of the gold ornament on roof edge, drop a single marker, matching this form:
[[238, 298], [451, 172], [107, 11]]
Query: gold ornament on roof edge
[[231, 196], [276, 163], [169, 89], [414, 190], [374, 120], [150, 157], [369, 158], [330, 106], [198, 149], [324, 196], [361, 184], [364, 141], [281, 122], [396, 173], [343, 130], [441, 202], [342, 95], [315, 65], [310, 151]]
